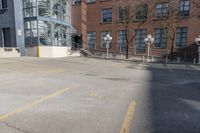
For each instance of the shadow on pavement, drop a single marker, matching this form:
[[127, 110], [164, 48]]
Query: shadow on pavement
[[171, 103]]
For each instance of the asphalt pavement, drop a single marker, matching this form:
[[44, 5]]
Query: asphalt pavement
[[84, 95]]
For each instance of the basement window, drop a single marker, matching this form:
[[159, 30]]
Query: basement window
[[3, 4]]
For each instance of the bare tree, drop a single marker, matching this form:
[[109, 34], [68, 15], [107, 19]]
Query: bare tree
[[177, 13], [130, 11]]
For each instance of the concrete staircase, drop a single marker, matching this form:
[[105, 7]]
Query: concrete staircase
[[85, 52]]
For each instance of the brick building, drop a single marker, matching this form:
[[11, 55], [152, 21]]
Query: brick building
[[93, 19]]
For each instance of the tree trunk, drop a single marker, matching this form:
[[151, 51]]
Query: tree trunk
[[127, 51], [127, 42], [172, 50]]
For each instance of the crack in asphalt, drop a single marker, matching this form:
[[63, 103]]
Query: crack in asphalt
[[15, 128]]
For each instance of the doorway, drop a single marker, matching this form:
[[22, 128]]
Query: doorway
[[76, 42]]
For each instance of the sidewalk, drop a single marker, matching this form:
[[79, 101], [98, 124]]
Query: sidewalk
[[142, 59]]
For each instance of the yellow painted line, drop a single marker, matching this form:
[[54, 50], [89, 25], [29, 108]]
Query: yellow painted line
[[128, 118], [93, 94], [31, 105], [169, 68]]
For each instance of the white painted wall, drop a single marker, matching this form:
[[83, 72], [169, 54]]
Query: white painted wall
[[53, 51], [49, 51]]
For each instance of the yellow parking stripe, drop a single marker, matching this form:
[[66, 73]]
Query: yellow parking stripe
[[128, 118], [31, 105]]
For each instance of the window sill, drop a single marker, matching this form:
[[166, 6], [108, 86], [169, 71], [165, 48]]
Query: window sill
[[104, 0], [2, 10], [179, 47], [105, 22], [91, 2], [139, 20], [182, 17], [159, 48], [160, 18]]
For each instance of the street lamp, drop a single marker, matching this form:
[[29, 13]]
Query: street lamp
[[197, 40], [108, 40], [148, 41]]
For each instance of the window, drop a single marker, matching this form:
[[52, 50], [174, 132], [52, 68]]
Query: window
[[139, 38], [103, 34], [181, 37], [29, 3], [90, 1], [106, 15], [183, 8], [3, 4], [30, 12], [122, 14], [30, 28], [141, 13], [91, 40], [160, 38], [162, 10], [122, 41]]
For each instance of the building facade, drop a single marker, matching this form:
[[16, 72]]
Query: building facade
[[47, 22], [11, 24], [31, 24], [174, 31]]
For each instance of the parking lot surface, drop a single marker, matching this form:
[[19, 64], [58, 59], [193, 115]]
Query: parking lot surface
[[83, 95]]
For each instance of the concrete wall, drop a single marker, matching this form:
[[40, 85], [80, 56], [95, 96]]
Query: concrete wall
[[19, 25], [9, 52], [48, 51]]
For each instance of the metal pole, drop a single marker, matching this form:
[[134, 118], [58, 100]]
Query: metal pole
[[2, 36], [148, 52], [199, 55], [107, 52]]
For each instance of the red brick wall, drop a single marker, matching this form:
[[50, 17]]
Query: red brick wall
[[87, 17]]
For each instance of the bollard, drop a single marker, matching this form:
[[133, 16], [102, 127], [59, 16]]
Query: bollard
[[178, 59], [111, 56], [103, 55], [194, 60], [152, 59], [166, 60]]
